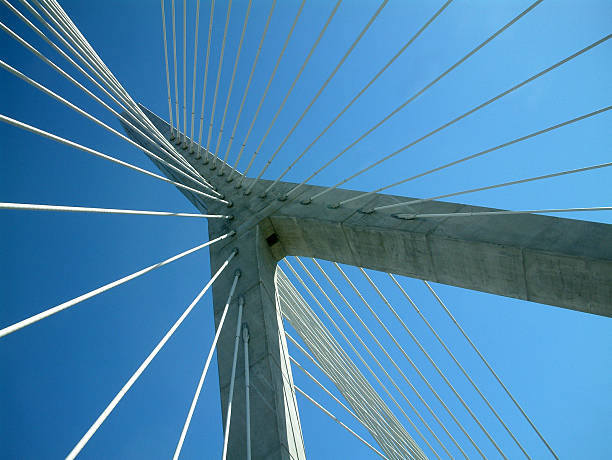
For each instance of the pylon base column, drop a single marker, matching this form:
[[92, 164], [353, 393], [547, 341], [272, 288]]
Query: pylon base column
[[275, 422]]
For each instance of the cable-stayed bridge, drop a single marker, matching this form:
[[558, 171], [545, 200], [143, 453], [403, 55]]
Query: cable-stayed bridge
[[278, 309]]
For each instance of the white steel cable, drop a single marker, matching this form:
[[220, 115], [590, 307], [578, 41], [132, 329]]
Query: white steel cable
[[344, 406], [247, 389], [415, 367], [336, 365], [486, 363], [47, 207], [314, 280], [77, 109], [288, 93], [263, 96], [345, 338], [350, 382], [421, 91], [210, 28], [248, 85], [464, 115], [84, 50], [339, 368], [334, 397], [107, 411], [163, 13], [355, 388], [53, 45], [333, 417], [81, 50], [352, 101], [290, 313], [219, 69], [367, 405], [358, 392], [40, 132], [335, 368], [472, 156], [196, 396], [195, 66], [456, 361], [390, 450], [501, 213], [53, 11], [345, 300], [364, 397], [286, 371], [184, 73], [231, 85], [432, 362], [289, 388], [348, 52], [387, 441], [58, 16], [318, 337], [391, 443], [53, 310], [176, 99], [134, 110], [503, 184], [384, 371], [287, 375], [88, 56], [169, 151], [228, 416]]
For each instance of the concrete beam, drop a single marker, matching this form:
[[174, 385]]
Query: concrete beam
[[561, 262], [275, 423]]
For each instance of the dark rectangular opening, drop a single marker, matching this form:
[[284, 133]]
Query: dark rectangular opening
[[272, 239]]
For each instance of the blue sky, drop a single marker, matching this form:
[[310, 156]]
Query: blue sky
[[59, 374]]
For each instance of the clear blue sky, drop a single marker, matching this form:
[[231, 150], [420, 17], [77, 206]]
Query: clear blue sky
[[58, 375]]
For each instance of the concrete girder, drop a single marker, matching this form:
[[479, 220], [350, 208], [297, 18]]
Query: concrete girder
[[561, 262]]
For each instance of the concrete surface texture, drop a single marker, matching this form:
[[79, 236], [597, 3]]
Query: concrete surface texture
[[560, 262]]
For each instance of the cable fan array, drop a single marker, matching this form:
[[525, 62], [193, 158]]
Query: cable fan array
[[397, 399]]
